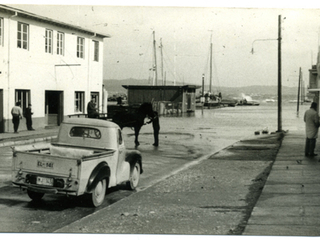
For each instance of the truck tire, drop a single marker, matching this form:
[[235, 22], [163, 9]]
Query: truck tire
[[134, 177], [98, 193], [35, 196]]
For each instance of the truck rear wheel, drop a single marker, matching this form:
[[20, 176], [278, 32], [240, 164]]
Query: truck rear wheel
[[98, 194], [35, 196], [134, 177]]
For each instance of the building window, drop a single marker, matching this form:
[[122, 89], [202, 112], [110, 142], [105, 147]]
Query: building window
[[48, 41], [96, 51], [79, 102], [22, 96], [80, 47], [23, 36], [60, 43], [1, 31]]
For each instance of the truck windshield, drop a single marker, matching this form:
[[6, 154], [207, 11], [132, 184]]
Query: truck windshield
[[85, 132]]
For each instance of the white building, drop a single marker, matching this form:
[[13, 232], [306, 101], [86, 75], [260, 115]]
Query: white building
[[57, 67]]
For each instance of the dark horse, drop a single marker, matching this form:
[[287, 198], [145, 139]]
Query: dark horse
[[134, 118]]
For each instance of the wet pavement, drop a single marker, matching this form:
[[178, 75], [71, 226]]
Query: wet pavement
[[214, 196], [189, 200]]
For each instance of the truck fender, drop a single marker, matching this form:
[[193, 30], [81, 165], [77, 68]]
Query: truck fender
[[133, 158], [100, 172]]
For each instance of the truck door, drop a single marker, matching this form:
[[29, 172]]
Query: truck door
[[123, 167]]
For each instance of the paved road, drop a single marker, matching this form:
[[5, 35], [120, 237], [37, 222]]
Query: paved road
[[178, 151], [182, 146]]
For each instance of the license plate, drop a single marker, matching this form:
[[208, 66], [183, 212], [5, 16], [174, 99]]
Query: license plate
[[45, 181], [43, 164]]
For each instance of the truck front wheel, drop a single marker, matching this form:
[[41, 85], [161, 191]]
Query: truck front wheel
[[98, 194], [35, 196], [134, 177]]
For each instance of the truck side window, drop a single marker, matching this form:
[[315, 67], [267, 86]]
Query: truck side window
[[119, 137], [85, 132]]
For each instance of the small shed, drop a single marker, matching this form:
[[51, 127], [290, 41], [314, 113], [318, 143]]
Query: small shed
[[165, 99]]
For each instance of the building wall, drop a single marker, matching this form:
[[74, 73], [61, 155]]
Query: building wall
[[138, 96], [165, 99], [314, 84], [38, 71]]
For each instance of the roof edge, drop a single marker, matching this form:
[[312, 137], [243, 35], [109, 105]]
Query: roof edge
[[30, 15]]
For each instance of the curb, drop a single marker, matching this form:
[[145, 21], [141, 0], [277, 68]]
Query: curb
[[26, 141]]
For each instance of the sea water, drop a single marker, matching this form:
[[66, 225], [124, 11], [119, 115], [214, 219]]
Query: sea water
[[217, 128]]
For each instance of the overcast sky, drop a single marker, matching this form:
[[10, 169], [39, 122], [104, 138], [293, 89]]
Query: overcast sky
[[186, 32]]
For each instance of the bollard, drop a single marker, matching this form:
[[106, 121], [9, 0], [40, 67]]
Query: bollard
[[265, 130]]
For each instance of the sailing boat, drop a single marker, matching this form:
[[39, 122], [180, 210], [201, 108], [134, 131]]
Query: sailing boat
[[211, 100]]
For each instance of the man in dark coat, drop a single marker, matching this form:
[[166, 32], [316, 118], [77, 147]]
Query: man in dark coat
[[156, 128], [92, 110], [28, 115]]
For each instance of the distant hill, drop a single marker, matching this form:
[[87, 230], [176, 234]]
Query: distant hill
[[115, 86], [256, 92]]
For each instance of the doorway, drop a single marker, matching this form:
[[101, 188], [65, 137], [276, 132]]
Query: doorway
[[54, 107], [1, 112]]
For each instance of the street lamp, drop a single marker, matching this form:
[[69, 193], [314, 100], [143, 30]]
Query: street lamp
[[252, 51], [279, 72]]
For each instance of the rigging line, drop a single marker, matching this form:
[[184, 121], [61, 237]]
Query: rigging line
[[142, 70], [177, 75], [164, 53], [206, 65], [216, 74], [169, 69]]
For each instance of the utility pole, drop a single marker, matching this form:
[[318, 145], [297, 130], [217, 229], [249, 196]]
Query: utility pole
[[279, 77], [299, 85], [202, 90], [210, 86], [279, 73]]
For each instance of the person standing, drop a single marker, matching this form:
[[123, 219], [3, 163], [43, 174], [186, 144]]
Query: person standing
[[28, 116], [16, 113], [92, 110], [156, 128], [311, 119]]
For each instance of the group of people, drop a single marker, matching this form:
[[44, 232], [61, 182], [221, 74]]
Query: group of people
[[17, 114]]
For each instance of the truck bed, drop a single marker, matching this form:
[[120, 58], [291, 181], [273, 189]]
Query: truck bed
[[67, 151], [56, 159]]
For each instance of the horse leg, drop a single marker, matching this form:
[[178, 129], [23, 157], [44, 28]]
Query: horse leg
[[136, 133]]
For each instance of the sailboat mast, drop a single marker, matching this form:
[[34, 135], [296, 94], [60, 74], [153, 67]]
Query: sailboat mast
[[161, 61], [155, 78]]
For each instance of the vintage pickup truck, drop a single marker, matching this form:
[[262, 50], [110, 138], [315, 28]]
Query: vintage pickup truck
[[88, 157]]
